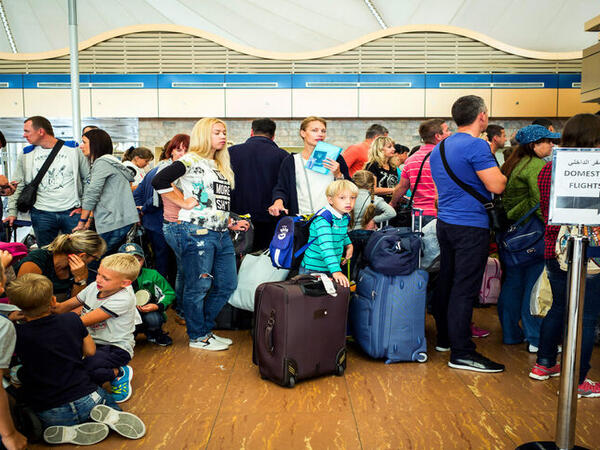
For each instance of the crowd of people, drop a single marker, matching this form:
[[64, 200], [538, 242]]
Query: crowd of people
[[88, 289]]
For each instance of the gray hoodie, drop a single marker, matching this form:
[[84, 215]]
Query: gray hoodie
[[109, 195]]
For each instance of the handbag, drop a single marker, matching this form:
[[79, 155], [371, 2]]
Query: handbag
[[592, 233], [255, 269], [540, 301], [404, 211], [28, 195], [523, 243], [394, 251], [494, 209]]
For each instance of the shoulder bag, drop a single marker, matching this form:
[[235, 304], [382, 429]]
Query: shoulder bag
[[404, 211], [493, 208], [28, 195], [523, 242]]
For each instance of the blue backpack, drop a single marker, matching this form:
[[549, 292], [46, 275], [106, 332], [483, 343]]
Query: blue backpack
[[290, 240]]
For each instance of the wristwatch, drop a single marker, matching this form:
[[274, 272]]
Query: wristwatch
[[80, 283]]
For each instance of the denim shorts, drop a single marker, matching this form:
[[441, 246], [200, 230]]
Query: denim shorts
[[78, 411]]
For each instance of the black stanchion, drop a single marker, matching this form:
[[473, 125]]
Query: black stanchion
[[567, 399]]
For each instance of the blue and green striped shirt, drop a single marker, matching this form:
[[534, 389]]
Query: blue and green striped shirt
[[325, 253]]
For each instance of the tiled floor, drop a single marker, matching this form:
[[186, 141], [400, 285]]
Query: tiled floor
[[194, 399]]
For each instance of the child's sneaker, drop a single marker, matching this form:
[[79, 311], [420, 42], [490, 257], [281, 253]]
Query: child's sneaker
[[121, 386], [542, 373], [222, 340], [588, 389], [126, 424], [159, 338], [477, 332], [208, 343], [82, 434]]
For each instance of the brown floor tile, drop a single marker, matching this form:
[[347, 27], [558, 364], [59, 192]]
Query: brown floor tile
[[431, 430], [285, 430]]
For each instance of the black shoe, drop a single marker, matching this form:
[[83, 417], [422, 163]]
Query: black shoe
[[160, 338], [476, 363]]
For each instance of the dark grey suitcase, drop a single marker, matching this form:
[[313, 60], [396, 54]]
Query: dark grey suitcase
[[300, 330]]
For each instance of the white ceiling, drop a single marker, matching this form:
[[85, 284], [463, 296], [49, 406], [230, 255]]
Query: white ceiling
[[301, 25]]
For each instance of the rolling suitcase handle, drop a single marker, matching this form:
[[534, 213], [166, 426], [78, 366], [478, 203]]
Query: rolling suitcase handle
[[269, 333]]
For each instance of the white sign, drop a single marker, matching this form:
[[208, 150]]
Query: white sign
[[575, 191]]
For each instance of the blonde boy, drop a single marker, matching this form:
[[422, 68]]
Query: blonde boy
[[109, 312], [329, 238]]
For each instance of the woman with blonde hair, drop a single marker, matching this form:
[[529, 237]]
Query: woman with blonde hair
[[300, 190], [65, 261], [381, 164], [200, 237]]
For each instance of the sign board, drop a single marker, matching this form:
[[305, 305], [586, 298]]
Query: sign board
[[575, 191]]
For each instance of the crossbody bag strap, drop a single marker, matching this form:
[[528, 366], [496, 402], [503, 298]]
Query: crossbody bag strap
[[38, 178], [526, 215], [312, 208], [467, 188], [412, 194]]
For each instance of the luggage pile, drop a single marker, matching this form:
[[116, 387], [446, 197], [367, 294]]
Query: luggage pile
[[387, 314]]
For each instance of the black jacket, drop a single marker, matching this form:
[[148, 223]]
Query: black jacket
[[286, 185], [255, 164]]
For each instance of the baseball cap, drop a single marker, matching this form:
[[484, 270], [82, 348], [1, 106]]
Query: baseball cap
[[132, 248], [533, 133]]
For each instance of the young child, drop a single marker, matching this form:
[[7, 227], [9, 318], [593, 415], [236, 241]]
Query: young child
[[160, 294], [109, 312], [371, 210], [330, 240], [55, 382], [11, 438]]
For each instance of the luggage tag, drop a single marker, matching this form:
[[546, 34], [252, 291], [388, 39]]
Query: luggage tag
[[327, 284]]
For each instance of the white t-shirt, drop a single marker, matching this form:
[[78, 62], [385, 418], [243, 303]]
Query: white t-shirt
[[8, 339], [138, 174], [316, 190], [58, 189], [118, 329], [204, 182]]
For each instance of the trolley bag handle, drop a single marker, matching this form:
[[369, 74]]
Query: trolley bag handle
[[269, 333]]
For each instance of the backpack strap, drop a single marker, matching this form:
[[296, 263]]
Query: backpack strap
[[325, 214]]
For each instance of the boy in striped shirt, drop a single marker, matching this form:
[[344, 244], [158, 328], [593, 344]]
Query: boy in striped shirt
[[329, 238]]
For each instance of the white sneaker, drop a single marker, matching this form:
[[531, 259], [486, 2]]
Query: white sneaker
[[222, 340], [208, 343], [532, 348]]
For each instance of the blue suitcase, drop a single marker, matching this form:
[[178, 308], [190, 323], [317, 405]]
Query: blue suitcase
[[387, 315]]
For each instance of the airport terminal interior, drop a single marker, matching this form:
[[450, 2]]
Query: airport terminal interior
[[146, 71]]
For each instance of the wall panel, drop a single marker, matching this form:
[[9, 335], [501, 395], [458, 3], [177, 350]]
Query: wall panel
[[524, 103], [194, 103], [54, 102], [438, 102], [11, 103], [325, 102], [124, 103], [258, 103], [391, 102], [569, 103]]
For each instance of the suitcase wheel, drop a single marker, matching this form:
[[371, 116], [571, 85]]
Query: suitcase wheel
[[339, 370], [292, 382], [422, 357]]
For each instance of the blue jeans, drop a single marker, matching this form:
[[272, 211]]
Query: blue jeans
[[171, 232], [115, 238], [513, 304], [209, 277], [78, 411], [554, 323], [161, 252], [49, 224], [151, 322]]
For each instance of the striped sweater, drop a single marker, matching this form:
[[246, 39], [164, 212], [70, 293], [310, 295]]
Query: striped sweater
[[325, 253]]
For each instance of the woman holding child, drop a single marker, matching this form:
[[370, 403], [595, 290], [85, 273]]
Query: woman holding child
[[200, 237], [65, 261], [300, 190]]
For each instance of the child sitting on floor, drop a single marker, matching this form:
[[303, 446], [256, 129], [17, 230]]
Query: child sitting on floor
[[110, 314], [329, 233], [56, 384], [159, 295]]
